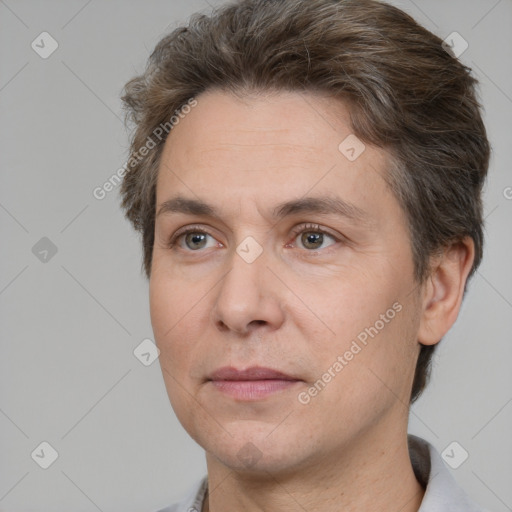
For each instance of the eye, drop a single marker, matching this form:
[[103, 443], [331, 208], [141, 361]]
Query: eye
[[192, 239], [312, 237]]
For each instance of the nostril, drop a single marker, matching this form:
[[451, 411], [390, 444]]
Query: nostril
[[222, 326]]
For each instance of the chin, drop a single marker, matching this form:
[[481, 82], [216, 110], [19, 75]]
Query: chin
[[251, 450]]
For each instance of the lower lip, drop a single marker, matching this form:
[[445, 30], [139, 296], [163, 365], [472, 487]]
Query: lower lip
[[252, 389]]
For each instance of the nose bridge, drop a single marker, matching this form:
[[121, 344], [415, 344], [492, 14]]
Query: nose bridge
[[246, 293]]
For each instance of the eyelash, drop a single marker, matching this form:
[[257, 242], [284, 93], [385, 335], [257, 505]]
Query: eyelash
[[295, 232]]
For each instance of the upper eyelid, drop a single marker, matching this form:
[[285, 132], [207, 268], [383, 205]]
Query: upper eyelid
[[313, 227], [191, 228]]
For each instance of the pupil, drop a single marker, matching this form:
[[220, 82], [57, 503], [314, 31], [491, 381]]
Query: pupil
[[314, 239], [196, 239]]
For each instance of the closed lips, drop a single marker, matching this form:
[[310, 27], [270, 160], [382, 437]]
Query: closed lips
[[254, 373]]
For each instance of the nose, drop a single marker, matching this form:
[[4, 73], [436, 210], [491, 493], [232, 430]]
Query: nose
[[248, 297]]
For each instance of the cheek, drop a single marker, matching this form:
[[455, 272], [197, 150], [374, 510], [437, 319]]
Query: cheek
[[380, 374], [369, 320], [179, 312], [342, 305], [171, 299], [169, 311], [161, 307]]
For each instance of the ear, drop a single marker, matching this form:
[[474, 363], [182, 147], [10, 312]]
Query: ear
[[444, 289]]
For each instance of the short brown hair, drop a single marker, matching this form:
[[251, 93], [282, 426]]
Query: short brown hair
[[404, 91]]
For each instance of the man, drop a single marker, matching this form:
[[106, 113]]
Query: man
[[306, 176]]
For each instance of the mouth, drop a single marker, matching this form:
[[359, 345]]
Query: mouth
[[252, 383]]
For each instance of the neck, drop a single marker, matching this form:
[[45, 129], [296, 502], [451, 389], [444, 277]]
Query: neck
[[368, 475]]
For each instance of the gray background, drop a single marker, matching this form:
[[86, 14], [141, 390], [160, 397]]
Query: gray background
[[69, 326]]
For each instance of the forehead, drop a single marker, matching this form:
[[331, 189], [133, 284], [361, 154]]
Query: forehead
[[269, 147], [266, 124]]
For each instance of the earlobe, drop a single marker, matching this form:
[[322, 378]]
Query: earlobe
[[444, 289]]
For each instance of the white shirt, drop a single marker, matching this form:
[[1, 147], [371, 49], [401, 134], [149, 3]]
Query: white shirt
[[442, 493]]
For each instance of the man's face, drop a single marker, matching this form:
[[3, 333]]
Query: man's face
[[271, 279]]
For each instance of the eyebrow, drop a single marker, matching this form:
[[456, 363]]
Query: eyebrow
[[321, 205]]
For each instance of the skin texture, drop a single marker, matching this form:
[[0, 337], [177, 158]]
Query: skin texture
[[294, 308]]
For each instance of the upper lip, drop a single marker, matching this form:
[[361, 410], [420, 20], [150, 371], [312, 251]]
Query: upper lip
[[253, 373]]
